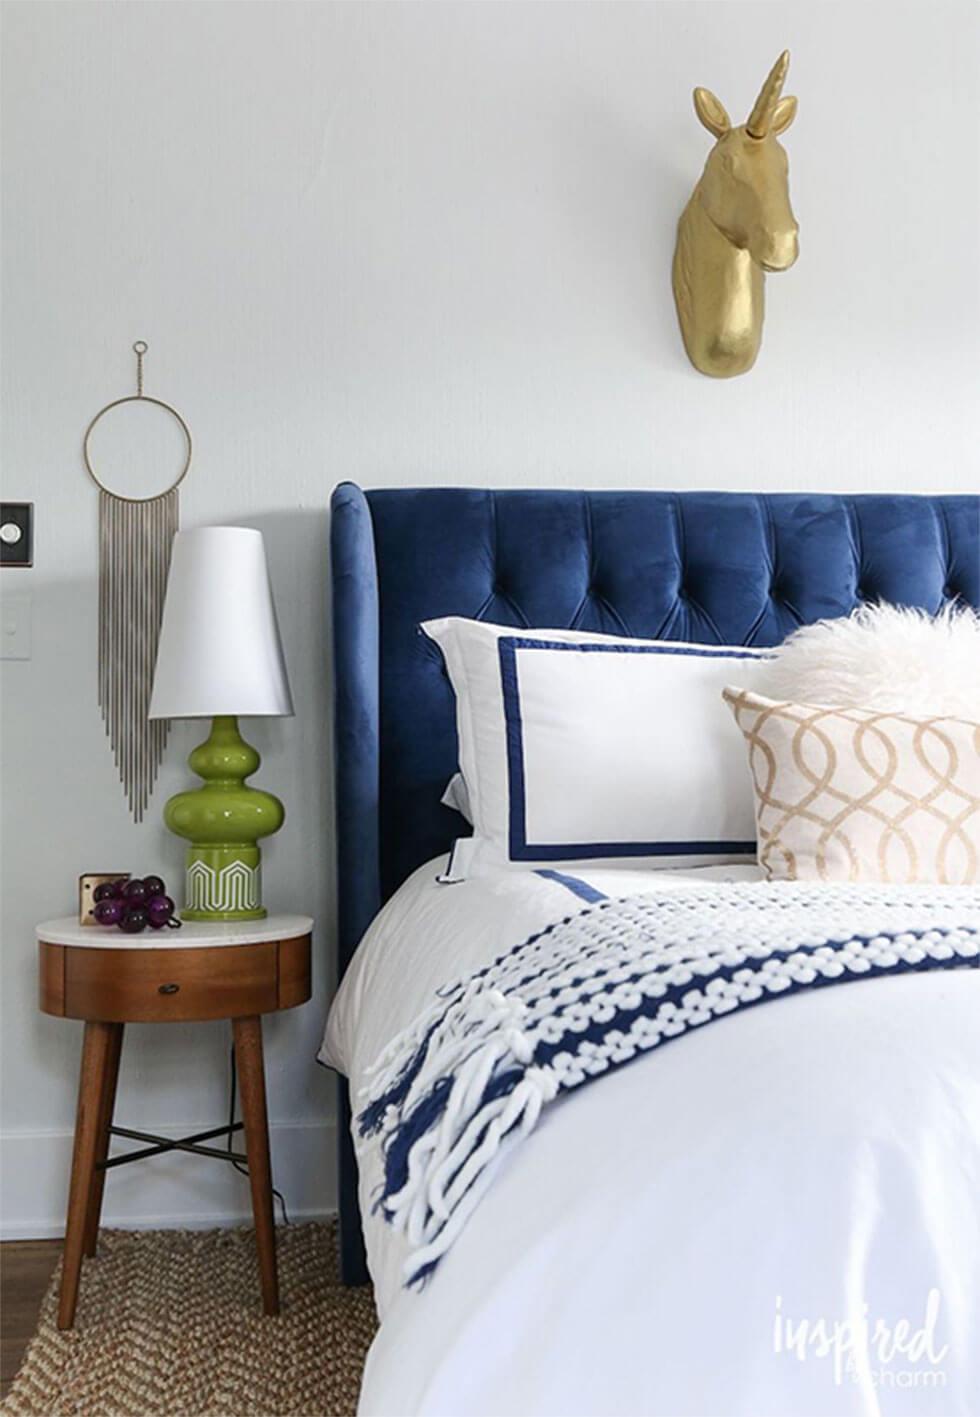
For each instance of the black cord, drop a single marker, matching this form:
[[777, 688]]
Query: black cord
[[243, 1170]]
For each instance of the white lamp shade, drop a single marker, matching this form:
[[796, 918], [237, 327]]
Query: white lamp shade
[[219, 650]]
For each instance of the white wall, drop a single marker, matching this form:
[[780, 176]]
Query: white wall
[[415, 243]]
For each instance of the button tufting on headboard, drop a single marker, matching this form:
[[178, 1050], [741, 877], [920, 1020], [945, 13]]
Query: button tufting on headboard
[[708, 566]]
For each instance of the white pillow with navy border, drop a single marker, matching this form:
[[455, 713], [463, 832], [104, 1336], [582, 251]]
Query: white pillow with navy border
[[456, 797], [577, 747]]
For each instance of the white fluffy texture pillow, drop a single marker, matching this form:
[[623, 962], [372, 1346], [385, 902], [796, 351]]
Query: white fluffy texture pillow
[[888, 658]]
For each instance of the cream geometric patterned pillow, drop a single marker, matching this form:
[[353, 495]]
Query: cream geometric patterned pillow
[[847, 794]]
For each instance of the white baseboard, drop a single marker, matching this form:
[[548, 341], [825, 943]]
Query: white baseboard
[[172, 1191]]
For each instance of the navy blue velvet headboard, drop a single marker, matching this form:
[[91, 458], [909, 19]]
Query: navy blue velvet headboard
[[710, 567]]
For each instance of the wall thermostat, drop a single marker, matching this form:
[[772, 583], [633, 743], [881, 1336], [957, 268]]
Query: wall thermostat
[[16, 533]]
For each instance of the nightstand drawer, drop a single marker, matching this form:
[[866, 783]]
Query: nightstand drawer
[[161, 985]]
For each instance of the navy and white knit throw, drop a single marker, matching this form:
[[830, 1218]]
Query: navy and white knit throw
[[596, 990]]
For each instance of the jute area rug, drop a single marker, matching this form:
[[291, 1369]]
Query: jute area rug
[[169, 1321]]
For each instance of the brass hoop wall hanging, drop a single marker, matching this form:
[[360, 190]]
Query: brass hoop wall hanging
[[135, 539]]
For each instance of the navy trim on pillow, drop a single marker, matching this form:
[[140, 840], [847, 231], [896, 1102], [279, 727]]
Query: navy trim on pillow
[[520, 849]]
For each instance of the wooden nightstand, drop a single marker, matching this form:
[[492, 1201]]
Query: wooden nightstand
[[221, 971]]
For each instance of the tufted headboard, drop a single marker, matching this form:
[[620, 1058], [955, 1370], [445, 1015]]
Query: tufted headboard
[[710, 567]]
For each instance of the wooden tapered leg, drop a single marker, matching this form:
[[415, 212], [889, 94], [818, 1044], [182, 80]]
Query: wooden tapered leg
[[91, 1084], [247, 1034], [106, 1109]]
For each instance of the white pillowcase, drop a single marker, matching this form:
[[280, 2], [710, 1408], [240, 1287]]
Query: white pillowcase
[[583, 747], [457, 798]]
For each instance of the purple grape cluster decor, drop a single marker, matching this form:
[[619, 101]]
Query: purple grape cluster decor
[[134, 904]]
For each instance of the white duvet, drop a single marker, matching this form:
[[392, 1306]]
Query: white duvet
[[710, 1230]]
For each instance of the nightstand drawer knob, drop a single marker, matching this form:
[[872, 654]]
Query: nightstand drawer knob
[[168, 988]]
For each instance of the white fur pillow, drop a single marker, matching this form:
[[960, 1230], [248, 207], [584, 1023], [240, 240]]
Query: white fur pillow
[[888, 658]]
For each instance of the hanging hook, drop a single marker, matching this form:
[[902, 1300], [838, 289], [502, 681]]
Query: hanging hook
[[139, 349]]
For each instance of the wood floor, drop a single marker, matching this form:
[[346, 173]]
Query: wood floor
[[26, 1267]]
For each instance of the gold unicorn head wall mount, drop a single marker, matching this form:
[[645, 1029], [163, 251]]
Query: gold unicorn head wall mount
[[737, 225]]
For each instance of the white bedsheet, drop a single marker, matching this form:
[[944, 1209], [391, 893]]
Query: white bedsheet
[[643, 1250]]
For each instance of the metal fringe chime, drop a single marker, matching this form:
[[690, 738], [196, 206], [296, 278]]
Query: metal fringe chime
[[135, 538], [134, 556]]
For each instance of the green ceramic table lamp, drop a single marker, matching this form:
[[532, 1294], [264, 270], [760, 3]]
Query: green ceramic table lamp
[[220, 656]]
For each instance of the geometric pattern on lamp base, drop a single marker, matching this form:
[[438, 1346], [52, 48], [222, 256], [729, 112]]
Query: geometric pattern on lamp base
[[229, 891]]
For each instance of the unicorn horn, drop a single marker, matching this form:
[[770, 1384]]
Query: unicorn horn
[[765, 105]]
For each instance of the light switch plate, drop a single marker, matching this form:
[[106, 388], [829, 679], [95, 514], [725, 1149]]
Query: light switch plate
[[15, 627], [17, 533]]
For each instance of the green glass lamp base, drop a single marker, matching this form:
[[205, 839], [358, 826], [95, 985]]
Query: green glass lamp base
[[223, 821]]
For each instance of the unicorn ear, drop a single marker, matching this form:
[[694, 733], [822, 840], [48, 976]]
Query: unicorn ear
[[784, 115], [711, 112]]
